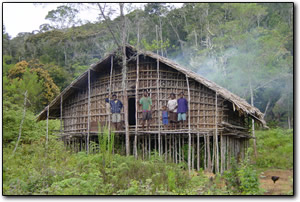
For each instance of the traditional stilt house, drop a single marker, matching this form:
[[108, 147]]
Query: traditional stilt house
[[218, 125]]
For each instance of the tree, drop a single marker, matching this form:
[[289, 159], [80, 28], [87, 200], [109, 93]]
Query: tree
[[20, 77], [63, 17]]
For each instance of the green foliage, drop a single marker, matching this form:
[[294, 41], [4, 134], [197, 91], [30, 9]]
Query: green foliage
[[14, 89], [63, 17], [31, 130], [33, 78], [243, 178], [275, 148]]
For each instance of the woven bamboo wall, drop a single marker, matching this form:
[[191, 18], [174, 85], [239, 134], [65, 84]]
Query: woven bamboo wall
[[202, 103]]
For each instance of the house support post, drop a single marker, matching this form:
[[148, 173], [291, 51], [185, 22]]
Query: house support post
[[189, 122], [216, 136], [136, 102], [47, 125], [198, 153], [89, 111]]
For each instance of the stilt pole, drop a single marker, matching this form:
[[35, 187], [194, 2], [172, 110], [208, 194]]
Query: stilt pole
[[216, 138], [158, 93], [198, 153], [61, 113], [47, 125], [189, 122], [89, 111]]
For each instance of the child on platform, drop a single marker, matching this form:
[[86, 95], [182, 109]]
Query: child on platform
[[164, 117]]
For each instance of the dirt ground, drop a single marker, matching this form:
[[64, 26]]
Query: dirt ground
[[283, 186]]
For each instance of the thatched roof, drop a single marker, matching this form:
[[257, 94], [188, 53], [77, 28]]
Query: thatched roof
[[238, 103]]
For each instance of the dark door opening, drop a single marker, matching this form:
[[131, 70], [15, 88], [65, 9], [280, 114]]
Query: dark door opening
[[131, 111]]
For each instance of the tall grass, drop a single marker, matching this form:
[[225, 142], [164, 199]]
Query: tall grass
[[275, 148]]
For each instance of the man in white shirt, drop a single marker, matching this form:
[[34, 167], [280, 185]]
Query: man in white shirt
[[172, 108]]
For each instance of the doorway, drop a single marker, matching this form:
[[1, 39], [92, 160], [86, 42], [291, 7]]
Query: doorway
[[131, 111]]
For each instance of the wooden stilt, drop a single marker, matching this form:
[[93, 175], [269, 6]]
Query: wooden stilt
[[213, 151], [137, 86], [61, 113], [155, 146], [173, 148], [208, 154], [47, 125], [143, 146], [109, 94], [205, 151], [170, 148], [158, 99], [222, 154], [166, 148], [179, 148], [89, 111], [146, 146], [135, 146], [217, 142], [149, 150], [193, 152], [182, 148], [198, 153], [189, 123], [175, 137]]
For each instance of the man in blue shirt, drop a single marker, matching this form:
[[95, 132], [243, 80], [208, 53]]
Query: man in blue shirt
[[115, 107], [182, 108]]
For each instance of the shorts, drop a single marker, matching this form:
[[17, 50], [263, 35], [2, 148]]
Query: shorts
[[147, 115], [165, 121], [173, 117], [116, 117], [181, 116]]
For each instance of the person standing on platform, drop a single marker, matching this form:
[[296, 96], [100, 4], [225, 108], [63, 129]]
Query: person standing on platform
[[165, 117], [115, 107], [182, 109], [146, 103], [172, 108]]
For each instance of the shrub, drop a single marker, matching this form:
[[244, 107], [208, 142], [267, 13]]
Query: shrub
[[275, 148]]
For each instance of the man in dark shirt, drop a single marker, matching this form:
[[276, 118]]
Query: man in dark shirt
[[182, 109], [115, 107]]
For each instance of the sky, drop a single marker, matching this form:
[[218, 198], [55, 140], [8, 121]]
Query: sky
[[26, 17]]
